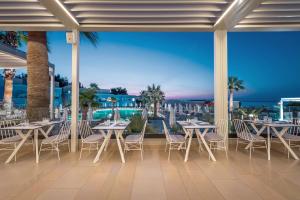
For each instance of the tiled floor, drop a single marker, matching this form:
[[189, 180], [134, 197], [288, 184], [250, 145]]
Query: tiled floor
[[154, 178]]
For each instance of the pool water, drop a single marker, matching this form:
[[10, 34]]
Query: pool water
[[124, 113]]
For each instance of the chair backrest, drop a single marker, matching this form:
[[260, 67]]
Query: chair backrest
[[64, 131], [5, 133], [242, 130], [84, 129], [144, 130], [166, 131], [222, 127], [295, 130]]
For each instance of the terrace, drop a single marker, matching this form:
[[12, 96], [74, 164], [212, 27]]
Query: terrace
[[189, 173]]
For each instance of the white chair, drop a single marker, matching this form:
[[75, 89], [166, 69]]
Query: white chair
[[292, 137], [9, 138], [175, 141], [216, 139], [88, 137], [134, 142], [246, 137], [62, 138]]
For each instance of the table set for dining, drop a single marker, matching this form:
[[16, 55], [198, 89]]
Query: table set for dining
[[26, 130], [107, 129], [274, 128], [201, 129]]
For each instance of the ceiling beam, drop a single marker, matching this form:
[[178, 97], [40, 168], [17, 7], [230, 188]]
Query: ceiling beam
[[266, 27], [145, 28], [237, 11], [61, 12]]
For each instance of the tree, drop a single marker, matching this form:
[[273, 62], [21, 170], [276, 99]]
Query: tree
[[118, 90], [9, 74], [37, 61], [87, 99], [14, 40], [153, 95], [113, 100], [62, 81], [234, 84], [95, 86]]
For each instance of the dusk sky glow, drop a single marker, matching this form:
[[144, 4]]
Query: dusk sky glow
[[182, 63]]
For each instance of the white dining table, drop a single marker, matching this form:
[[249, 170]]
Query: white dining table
[[201, 129], [107, 130], [26, 130], [278, 128]]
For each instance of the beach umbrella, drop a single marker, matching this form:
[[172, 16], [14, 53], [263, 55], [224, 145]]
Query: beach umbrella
[[65, 114], [180, 109], [190, 109], [117, 116], [175, 108], [166, 106], [169, 107], [90, 114], [144, 114], [56, 113], [172, 118]]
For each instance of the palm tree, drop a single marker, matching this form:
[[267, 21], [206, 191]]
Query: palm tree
[[38, 73], [113, 100], [234, 84], [9, 74], [153, 95], [87, 99], [14, 40]]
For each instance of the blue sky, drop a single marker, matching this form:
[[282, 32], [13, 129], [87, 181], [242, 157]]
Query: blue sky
[[182, 63]]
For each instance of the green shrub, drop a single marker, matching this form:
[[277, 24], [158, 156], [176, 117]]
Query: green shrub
[[137, 123]]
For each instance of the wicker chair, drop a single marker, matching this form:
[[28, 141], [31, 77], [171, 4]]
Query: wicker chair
[[292, 137], [134, 142], [88, 137], [217, 140], [62, 138], [246, 137], [175, 141]]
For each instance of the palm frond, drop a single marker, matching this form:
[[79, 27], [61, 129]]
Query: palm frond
[[92, 37]]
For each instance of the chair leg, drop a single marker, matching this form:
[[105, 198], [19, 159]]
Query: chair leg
[[290, 147], [69, 146], [15, 154], [169, 151], [57, 149], [225, 148], [141, 147], [210, 149], [40, 149], [81, 151], [237, 144], [166, 146], [250, 150], [33, 146]]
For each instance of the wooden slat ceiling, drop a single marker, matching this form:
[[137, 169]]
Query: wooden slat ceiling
[[146, 15], [273, 14]]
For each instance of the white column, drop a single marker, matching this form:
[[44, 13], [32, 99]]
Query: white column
[[75, 91], [220, 76], [52, 91], [281, 109]]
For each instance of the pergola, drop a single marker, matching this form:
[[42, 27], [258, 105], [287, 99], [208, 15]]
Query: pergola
[[11, 58], [218, 16]]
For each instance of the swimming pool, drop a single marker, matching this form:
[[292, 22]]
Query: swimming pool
[[125, 113]]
